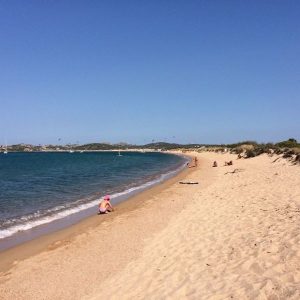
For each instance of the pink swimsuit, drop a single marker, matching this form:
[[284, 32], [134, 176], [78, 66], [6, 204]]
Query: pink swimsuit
[[102, 209]]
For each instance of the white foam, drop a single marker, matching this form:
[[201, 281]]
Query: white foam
[[70, 211]]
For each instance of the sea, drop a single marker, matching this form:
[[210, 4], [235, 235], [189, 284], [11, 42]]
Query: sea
[[39, 188]]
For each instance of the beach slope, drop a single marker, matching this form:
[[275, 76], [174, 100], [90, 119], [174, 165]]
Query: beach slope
[[235, 235]]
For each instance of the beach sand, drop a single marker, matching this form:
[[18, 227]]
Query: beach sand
[[232, 236]]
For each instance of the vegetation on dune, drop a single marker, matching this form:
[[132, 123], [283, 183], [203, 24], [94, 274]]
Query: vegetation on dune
[[289, 149], [290, 143]]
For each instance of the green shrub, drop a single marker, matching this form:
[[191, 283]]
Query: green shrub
[[250, 153], [290, 143], [278, 151], [260, 150]]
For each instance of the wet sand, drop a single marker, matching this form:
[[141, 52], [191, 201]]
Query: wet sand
[[235, 235]]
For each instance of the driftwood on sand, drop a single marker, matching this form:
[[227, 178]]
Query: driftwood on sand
[[235, 171]]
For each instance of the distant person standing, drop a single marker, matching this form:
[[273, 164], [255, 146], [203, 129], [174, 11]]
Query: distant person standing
[[196, 161], [105, 205]]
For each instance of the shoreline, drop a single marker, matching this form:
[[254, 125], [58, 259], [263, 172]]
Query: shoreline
[[69, 217], [50, 233]]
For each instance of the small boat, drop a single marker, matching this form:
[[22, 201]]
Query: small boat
[[71, 151], [5, 151]]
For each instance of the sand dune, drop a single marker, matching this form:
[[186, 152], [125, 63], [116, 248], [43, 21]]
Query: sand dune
[[232, 236]]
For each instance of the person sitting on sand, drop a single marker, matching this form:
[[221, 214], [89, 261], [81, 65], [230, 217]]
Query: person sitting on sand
[[215, 164], [228, 163], [105, 206], [193, 163]]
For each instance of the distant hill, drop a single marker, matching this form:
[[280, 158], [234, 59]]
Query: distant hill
[[290, 143], [96, 146]]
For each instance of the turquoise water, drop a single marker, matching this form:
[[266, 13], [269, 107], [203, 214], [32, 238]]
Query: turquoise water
[[36, 188]]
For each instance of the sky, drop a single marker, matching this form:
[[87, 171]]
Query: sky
[[138, 71]]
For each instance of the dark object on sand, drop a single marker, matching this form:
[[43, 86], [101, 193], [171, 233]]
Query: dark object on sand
[[228, 163], [215, 164], [188, 182], [235, 171]]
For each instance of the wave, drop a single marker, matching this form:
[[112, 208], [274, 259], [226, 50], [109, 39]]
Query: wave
[[59, 212]]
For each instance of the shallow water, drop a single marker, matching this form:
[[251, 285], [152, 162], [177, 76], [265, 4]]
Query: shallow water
[[36, 188]]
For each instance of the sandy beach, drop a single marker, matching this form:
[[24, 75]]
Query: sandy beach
[[235, 235]]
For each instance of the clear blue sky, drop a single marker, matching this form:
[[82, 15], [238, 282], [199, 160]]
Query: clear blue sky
[[179, 71]]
